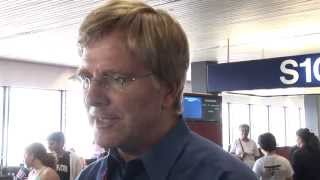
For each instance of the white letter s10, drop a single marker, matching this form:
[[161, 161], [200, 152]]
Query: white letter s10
[[292, 72]]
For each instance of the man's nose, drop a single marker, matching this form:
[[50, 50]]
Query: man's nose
[[96, 95]]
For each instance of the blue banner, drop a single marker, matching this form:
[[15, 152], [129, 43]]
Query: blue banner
[[281, 72]]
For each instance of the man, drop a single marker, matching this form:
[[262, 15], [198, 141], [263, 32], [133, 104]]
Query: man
[[244, 148], [68, 163], [135, 60], [271, 166]]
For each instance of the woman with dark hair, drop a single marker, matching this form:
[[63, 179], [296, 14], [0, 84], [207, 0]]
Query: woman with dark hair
[[42, 163], [306, 159]]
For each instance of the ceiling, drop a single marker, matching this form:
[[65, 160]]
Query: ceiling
[[219, 30]]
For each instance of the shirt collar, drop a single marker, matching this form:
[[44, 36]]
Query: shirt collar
[[162, 156]]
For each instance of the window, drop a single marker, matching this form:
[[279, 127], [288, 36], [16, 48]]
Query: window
[[225, 127], [33, 115], [259, 121], [292, 125], [239, 114], [277, 124], [1, 125], [79, 134]]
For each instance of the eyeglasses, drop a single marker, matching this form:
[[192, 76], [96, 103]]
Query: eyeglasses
[[115, 81]]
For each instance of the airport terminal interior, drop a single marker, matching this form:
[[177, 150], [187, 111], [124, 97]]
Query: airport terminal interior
[[268, 48]]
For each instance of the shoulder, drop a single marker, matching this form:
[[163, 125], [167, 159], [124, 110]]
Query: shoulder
[[203, 158], [236, 141], [298, 154], [283, 159], [252, 141], [259, 162], [49, 174], [93, 170], [73, 155]]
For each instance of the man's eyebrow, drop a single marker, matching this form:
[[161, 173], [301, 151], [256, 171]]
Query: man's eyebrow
[[82, 72]]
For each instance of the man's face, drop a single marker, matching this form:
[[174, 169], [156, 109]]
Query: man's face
[[53, 146], [28, 159], [121, 117], [244, 132], [299, 142]]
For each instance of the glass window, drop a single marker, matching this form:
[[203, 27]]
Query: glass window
[[79, 134], [259, 121], [302, 120], [239, 114], [225, 127], [33, 115], [1, 124], [293, 124], [277, 124]]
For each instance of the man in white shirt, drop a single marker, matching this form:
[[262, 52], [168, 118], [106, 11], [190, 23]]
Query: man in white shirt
[[244, 148], [271, 166]]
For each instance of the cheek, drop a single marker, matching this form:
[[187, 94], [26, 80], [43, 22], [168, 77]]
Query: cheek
[[27, 160], [144, 105]]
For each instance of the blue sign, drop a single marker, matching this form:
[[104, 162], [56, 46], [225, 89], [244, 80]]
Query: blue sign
[[282, 72]]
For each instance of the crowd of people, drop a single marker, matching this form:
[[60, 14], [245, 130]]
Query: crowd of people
[[135, 60], [58, 164], [268, 165], [264, 161]]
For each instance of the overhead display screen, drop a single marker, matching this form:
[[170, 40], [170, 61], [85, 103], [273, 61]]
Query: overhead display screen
[[202, 108], [192, 107]]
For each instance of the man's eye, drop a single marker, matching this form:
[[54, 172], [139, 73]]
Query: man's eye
[[120, 79]]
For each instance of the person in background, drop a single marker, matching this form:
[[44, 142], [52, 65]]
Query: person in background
[[244, 148], [69, 164], [305, 161], [271, 166], [23, 172], [292, 150], [135, 60], [41, 163]]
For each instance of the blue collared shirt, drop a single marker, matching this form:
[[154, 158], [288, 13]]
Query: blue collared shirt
[[180, 155]]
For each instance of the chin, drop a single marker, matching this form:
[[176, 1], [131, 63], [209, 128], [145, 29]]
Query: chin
[[107, 140]]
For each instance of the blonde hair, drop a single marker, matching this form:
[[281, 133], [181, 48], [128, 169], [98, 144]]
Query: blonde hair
[[150, 35]]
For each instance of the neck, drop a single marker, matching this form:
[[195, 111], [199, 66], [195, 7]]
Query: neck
[[60, 152], [151, 137], [269, 153], [37, 165], [245, 139], [128, 156]]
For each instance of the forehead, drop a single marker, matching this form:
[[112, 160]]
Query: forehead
[[52, 141], [27, 154], [109, 54]]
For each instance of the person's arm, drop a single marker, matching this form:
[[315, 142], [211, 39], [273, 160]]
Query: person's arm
[[233, 148], [256, 151], [297, 166], [289, 170], [76, 165], [257, 169]]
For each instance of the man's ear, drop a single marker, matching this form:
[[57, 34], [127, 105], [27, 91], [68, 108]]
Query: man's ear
[[170, 95]]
